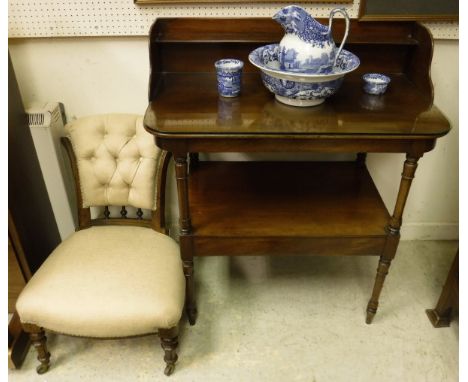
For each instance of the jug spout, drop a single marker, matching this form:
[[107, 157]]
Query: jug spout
[[297, 20]]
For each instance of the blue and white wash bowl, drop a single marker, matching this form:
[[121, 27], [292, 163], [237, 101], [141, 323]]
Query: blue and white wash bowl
[[375, 83], [300, 89], [229, 74]]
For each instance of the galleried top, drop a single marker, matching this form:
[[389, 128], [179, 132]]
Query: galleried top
[[184, 99]]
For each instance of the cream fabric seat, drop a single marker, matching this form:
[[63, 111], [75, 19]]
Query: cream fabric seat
[[128, 280]]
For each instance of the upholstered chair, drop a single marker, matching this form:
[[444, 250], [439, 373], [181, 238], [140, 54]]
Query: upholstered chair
[[116, 276]]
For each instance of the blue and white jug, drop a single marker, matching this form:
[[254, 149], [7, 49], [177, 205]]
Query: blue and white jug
[[308, 46]]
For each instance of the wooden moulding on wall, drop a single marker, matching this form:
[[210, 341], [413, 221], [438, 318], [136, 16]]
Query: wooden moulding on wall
[[422, 10], [147, 2]]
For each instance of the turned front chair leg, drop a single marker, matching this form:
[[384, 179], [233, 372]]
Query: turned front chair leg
[[393, 234], [39, 341], [169, 342]]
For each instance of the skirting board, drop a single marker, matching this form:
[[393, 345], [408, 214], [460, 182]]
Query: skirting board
[[429, 231], [409, 231]]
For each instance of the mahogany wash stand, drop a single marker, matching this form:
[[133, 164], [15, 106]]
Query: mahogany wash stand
[[286, 208]]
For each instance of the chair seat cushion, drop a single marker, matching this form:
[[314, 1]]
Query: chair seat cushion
[[107, 281]]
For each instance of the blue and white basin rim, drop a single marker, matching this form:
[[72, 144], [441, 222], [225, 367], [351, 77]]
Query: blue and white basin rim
[[256, 58]]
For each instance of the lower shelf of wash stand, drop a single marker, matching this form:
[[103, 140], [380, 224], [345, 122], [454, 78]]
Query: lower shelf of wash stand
[[277, 208]]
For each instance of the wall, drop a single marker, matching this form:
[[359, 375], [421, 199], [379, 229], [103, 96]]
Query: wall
[[432, 207], [59, 18], [105, 74]]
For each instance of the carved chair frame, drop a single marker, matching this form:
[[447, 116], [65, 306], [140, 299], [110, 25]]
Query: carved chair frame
[[169, 337]]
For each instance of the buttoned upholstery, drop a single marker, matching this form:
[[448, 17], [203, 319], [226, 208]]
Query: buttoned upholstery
[[116, 160], [111, 281]]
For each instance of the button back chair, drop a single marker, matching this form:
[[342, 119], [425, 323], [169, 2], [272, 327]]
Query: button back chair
[[114, 277]]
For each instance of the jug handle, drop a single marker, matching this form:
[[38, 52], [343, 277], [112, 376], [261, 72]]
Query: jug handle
[[345, 14]]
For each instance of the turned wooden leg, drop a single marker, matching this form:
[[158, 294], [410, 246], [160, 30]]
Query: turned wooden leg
[[393, 234], [382, 271], [38, 340], [169, 342], [440, 316], [186, 234], [190, 305]]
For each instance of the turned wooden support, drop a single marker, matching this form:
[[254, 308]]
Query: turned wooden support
[[185, 223], [123, 212], [39, 341], [169, 342], [393, 234], [407, 176], [382, 271], [190, 305], [181, 169]]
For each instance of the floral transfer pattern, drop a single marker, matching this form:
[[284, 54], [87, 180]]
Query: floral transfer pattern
[[301, 90], [307, 46]]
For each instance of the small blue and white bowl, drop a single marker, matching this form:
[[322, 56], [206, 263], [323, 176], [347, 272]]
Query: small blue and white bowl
[[375, 83], [229, 73]]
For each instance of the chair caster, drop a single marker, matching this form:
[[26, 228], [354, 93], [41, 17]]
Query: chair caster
[[369, 318], [169, 369], [192, 315], [41, 369]]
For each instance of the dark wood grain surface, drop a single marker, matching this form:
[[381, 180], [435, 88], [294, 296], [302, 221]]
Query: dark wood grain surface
[[248, 208], [318, 199], [434, 10], [196, 30], [189, 104], [184, 99]]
